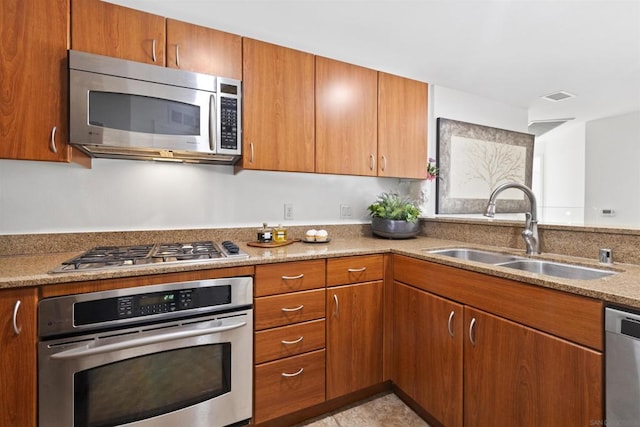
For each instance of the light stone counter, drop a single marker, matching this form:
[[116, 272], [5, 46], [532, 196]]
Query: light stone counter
[[622, 288]]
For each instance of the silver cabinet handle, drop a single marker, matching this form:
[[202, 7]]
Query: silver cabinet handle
[[251, 150], [472, 338], [288, 310], [295, 374], [178, 55], [153, 50], [299, 276], [384, 163], [356, 270], [17, 329], [450, 324], [52, 143], [336, 311], [285, 342], [372, 161]]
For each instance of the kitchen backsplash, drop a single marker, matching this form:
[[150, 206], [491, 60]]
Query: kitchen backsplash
[[581, 242]]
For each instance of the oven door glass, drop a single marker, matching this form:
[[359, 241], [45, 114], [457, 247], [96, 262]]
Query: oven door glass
[[151, 385]]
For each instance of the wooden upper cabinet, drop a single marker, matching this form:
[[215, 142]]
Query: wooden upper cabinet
[[278, 108], [33, 70], [402, 127], [107, 29], [346, 118], [204, 50]]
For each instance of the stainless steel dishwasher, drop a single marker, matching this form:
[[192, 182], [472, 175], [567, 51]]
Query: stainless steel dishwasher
[[622, 332]]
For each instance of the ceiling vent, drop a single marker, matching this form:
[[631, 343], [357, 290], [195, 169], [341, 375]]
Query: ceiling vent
[[558, 96], [539, 127]]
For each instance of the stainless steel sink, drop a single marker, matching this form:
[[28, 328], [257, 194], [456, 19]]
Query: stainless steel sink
[[549, 268], [557, 269], [476, 255]]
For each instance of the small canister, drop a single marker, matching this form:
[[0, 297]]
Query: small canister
[[280, 234], [265, 234]]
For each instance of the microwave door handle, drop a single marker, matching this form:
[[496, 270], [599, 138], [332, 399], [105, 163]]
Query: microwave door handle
[[213, 123], [139, 342]]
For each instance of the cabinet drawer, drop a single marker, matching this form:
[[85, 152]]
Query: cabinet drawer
[[287, 385], [342, 271], [289, 277], [280, 310], [289, 340]]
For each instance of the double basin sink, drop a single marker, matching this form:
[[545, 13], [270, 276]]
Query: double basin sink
[[549, 268]]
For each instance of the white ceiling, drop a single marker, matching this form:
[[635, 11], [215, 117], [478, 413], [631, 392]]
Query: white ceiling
[[514, 51]]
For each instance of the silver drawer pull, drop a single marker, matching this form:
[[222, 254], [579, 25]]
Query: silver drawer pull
[[52, 143], [299, 276], [356, 270], [285, 342], [450, 324], [16, 328], [472, 337], [287, 310], [295, 374]]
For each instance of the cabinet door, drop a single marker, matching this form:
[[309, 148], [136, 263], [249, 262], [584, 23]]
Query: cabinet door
[[34, 101], [517, 376], [402, 127], [204, 50], [354, 337], [278, 108], [18, 364], [346, 118], [107, 29], [428, 333]]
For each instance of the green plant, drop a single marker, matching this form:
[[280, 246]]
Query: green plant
[[392, 206]]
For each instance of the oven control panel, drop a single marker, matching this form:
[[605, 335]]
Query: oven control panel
[[96, 311], [166, 302], [149, 304]]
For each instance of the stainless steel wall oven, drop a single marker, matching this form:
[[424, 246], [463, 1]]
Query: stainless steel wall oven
[[177, 354]]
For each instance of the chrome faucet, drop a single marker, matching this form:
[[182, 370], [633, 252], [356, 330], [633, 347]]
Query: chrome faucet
[[530, 232]]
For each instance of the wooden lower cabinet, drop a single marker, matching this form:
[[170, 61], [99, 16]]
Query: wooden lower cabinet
[[354, 337], [289, 350], [285, 309], [18, 358], [287, 385], [428, 352], [289, 340], [517, 376], [468, 367]]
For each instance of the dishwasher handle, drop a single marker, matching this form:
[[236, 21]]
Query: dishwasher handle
[[621, 322], [630, 328]]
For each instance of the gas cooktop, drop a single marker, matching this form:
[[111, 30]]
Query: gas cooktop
[[107, 257]]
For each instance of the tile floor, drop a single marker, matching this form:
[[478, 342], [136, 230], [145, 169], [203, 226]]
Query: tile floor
[[382, 410]]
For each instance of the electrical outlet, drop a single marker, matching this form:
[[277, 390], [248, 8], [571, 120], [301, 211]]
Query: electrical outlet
[[288, 211], [345, 211]]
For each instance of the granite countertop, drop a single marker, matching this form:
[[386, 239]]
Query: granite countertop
[[622, 288]]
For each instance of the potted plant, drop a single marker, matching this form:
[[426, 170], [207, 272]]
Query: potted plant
[[394, 217]]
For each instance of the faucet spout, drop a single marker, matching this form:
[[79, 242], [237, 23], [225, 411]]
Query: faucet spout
[[530, 233]]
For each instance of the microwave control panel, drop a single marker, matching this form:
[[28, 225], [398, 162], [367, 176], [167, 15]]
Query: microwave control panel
[[228, 123]]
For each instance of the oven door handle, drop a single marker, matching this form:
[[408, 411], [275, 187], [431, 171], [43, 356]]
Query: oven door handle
[[139, 342]]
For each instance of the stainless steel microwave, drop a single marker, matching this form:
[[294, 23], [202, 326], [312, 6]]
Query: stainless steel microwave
[[131, 110]]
